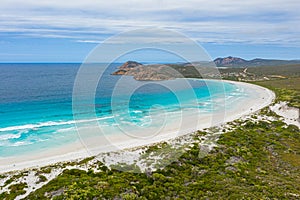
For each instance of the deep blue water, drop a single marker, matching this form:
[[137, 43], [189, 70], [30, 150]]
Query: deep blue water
[[36, 103]]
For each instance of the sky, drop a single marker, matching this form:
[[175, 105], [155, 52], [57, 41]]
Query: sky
[[67, 31]]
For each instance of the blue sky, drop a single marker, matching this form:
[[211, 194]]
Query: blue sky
[[66, 31]]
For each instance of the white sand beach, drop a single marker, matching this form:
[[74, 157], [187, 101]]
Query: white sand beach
[[258, 98]]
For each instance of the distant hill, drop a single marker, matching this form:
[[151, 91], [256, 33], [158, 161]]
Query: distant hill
[[157, 72], [233, 68], [230, 61], [239, 62]]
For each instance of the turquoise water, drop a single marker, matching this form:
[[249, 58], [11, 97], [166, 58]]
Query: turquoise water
[[36, 104]]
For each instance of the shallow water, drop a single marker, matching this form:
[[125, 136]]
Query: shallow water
[[36, 104]]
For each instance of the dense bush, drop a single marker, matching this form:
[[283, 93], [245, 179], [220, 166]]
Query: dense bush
[[247, 164]]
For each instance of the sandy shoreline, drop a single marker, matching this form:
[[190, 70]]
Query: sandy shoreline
[[259, 98]]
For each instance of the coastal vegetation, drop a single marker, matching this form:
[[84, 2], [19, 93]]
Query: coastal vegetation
[[258, 160], [287, 89]]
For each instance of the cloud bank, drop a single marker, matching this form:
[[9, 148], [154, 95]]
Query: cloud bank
[[231, 21]]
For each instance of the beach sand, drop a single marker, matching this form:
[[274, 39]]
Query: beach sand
[[259, 98]]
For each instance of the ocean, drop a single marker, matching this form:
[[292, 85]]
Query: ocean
[[37, 112]]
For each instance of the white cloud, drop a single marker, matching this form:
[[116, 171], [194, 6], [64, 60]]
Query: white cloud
[[127, 7], [89, 41], [269, 21]]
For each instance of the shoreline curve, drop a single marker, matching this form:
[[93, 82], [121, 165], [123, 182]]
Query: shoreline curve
[[78, 150]]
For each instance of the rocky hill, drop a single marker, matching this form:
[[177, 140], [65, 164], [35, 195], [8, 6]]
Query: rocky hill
[[142, 72], [229, 61], [158, 72], [127, 67], [239, 62]]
